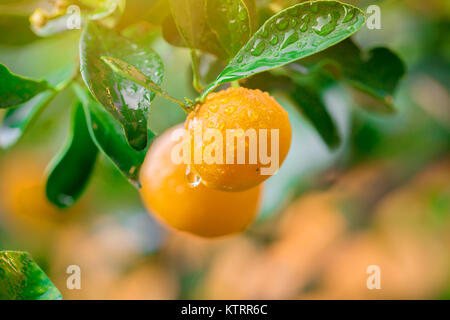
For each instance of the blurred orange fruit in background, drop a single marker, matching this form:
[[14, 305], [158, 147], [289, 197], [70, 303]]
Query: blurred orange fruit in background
[[198, 210]]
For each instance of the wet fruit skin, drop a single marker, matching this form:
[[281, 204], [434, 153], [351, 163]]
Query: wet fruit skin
[[239, 108], [197, 210]]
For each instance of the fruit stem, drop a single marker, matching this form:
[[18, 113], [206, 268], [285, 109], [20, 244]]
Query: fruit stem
[[235, 84], [195, 70]]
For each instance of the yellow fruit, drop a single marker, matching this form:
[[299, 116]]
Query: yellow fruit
[[198, 210], [238, 111]]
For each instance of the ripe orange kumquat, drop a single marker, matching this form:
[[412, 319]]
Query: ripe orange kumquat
[[243, 110]]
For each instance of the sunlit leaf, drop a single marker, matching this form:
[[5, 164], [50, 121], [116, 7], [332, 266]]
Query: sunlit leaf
[[230, 20], [190, 18], [153, 11], [171, 34], [128, 102], [71, 168], [22, 279], [292, 34], [108, 135], [15, 89], [18, 119]]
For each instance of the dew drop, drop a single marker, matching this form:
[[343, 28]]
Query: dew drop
[[264, 33], [191, 177], [349, 15], [314, 7], [293, 11], [258, 48], [282, 24], [240, 59], [293, 22], [292, 38], [274, 39]]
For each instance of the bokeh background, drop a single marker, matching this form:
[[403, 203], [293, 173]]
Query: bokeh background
[[382, 198]]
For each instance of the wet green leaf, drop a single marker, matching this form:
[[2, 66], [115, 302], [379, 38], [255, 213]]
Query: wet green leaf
[[292, 34], [376, 73], [22, 279], [15, 30], [230, 20], [128, 102], [190, 18], [109, 137], [71, 168], [15, 89], [18, 119]]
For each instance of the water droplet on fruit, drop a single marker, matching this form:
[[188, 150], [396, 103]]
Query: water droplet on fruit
[[192, 178], [230, 109]]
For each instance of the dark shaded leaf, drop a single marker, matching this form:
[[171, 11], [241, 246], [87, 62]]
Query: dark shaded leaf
[[305, 91], [376, 73], [307, 95], [15, 89], [22, 279], [128, 102], [71, 168], [109, 138], [230, 20], [190, 18], [292, 34]]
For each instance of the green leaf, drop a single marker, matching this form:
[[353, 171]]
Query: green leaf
[[109, 138], [131, 73], [307, 95], [22, 279], [171, 34], [18, 119], [15, 30], [15, 89], [190, 18], [376, 73], [292, 34], [128, 102], [230, 20], [71, 168]]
